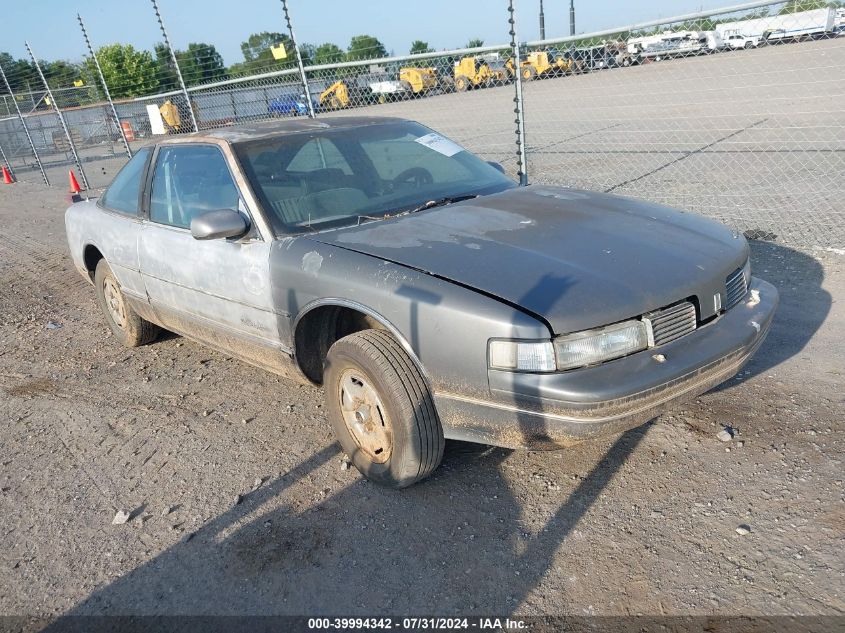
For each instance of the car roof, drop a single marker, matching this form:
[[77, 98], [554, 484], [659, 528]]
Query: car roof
[[250, 132]]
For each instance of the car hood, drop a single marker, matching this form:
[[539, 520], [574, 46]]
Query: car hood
[[576, 259]]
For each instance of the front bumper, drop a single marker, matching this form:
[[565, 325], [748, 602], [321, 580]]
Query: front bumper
[[560, 409]]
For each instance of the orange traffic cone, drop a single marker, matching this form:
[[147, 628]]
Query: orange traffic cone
[[7, 177], [74, 186]]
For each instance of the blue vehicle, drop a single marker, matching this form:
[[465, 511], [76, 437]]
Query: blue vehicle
[[290, 105]]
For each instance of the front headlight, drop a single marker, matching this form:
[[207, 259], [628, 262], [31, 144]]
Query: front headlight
[[595, 346], [537, 356]]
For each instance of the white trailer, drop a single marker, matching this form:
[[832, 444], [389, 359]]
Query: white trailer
[[814, 23], [709, 40], [715, 41]]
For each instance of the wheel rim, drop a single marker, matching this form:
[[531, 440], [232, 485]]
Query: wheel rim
[[114, 302], [365, 416]]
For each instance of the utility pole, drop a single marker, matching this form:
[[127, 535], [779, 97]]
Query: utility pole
[[542, 22], [572, 17], [176, 67], [25, 128], [61, 116], [521, 160], [105, 86], [306, 90]]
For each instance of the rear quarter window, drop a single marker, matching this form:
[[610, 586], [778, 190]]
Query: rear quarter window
[[124, 192]]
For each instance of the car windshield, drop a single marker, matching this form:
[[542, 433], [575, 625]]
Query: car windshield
[[339, 176]]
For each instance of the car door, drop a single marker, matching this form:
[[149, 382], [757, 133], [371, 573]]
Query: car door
[[214, 290], [120, 228]]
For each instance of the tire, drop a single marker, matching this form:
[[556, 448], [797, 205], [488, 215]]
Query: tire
[[528, 73], [747, 45], [461, 83], [393, 436], [126, 325]]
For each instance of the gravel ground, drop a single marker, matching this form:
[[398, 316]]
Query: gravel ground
[[238, 502]]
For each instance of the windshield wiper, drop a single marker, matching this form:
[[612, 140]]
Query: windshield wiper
[[440, 202]]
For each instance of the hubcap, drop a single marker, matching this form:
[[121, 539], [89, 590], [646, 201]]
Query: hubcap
[[364, 416], [114, 302]]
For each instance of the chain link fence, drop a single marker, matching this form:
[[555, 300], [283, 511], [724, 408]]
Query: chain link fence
[[737, 114]]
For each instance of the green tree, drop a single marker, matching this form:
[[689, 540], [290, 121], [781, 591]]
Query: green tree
[[128, 72], [418, 46], [308, 53], [365, 47], [60, 73], [475, 43], [21, 74], [258, 56], [328, 53], [201, 63], [796, 6], [164, 69]]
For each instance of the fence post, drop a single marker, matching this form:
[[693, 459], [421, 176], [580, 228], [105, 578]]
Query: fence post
[[60, 115], [25, 128], [176, 66], [8, 164], [302, 75], [105, 85], [522, 164]]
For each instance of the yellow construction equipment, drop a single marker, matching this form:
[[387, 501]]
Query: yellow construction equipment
[[335, 96], [501, 72], [421, 80], [472, 72], [544, 64]]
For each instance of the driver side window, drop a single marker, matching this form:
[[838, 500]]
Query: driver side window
[[188, 181]]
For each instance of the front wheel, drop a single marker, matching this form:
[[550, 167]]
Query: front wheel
[[126, 324], [381, 410]]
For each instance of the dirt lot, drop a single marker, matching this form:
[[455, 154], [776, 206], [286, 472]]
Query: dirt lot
[[240, 505]]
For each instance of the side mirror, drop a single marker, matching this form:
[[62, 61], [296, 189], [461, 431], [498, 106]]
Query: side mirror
[[496, 165], [216, 225]]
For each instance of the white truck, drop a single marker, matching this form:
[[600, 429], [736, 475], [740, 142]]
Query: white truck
[[736, 40], [779, 28]]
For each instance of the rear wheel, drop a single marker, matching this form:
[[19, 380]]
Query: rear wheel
[[461, 83], [381, 410], [127, 326]]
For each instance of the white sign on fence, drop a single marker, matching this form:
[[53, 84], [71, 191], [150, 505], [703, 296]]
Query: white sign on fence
[[156, 122]]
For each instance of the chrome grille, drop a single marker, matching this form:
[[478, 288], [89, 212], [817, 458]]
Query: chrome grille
[[671, 323], [736, 286]]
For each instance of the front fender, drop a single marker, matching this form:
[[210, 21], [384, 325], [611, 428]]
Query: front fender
[[444, 326]]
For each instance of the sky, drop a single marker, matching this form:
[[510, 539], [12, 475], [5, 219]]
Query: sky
[[50, 25]]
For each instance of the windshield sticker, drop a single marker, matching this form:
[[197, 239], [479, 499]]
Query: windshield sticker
[[440, 144]]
